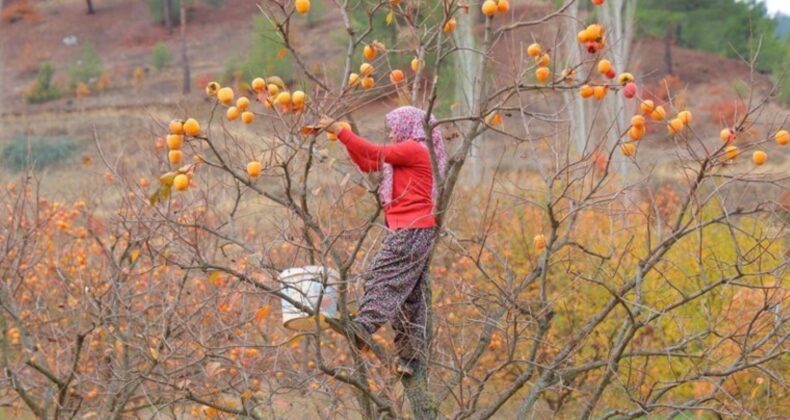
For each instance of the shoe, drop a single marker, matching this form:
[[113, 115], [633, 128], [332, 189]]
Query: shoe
[[353, 330]]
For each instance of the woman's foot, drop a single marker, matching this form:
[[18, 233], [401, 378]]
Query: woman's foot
[[359, 334]]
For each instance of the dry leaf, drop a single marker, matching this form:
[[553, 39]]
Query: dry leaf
[[345, 180], [281, 54], [390, 16], [310, 129], [262, 313]]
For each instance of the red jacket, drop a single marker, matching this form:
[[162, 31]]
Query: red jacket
[[412, 178]]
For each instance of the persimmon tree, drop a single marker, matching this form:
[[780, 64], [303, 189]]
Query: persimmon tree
[[557, 287]]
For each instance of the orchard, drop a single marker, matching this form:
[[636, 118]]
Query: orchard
[[623, 254]]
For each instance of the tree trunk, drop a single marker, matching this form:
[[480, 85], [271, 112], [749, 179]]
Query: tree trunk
[[184, 57], [668, 50], [167, 10], [90, 6]]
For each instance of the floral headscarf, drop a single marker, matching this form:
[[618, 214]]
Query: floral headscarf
[[406, 123]]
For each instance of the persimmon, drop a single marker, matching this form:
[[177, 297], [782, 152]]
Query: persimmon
[[599, 92], [247, 117], [489, 8], [604, 66], [759, 157], [174, 141], [595, 31], [366, 69], [727, 135], [544, 60], [450, 25], [675, 126], [225, 95], [415, 64], [254, 168], [731, 152], [191, 127], [628, 149], [258, 84], [143, 182], [629, 91], [232, 113], [542, 74], [174, 156], [283, 99], [534, 50], [276, 80], [647, 107], [353, 79], [302, 6], [638, 121], [298, 98], [584, 36], [587, 91], [636, 132], [242, 103], [598, 2], [272, 89], [212, 88], [369, 52], [782, 137], [181, 182], [368, 82], [625, 78], [539, 241], [686, 117], [396, 76], [176, 127], [503, 6], [658, 114]]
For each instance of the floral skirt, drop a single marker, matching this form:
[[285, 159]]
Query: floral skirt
[[394, 288]]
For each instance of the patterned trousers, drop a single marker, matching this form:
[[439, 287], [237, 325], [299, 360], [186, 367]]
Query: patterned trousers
[[394, 289]]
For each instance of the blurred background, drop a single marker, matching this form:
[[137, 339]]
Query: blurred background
[[74, 72]]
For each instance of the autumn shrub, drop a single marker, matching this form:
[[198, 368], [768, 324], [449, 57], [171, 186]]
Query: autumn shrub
[[37, 152], [87, 68], [43, 89], [160, 56]]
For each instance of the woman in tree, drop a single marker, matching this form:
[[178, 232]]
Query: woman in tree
[[394, 281]]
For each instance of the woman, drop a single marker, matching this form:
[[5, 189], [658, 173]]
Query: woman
[[394, 282]]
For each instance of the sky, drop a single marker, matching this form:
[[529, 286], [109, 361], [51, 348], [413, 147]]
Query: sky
[[778, 6]]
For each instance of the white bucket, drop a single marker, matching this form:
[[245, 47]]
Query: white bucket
[[303, 284]]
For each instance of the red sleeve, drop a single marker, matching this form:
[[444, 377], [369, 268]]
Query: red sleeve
[[365, 164], [404, 153]]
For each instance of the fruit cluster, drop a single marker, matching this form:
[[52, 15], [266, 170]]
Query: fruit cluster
[[491, 7], [365, 76], [593, 38], [542, 73]]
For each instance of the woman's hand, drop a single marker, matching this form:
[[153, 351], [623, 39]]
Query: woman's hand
[[330, 124]]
